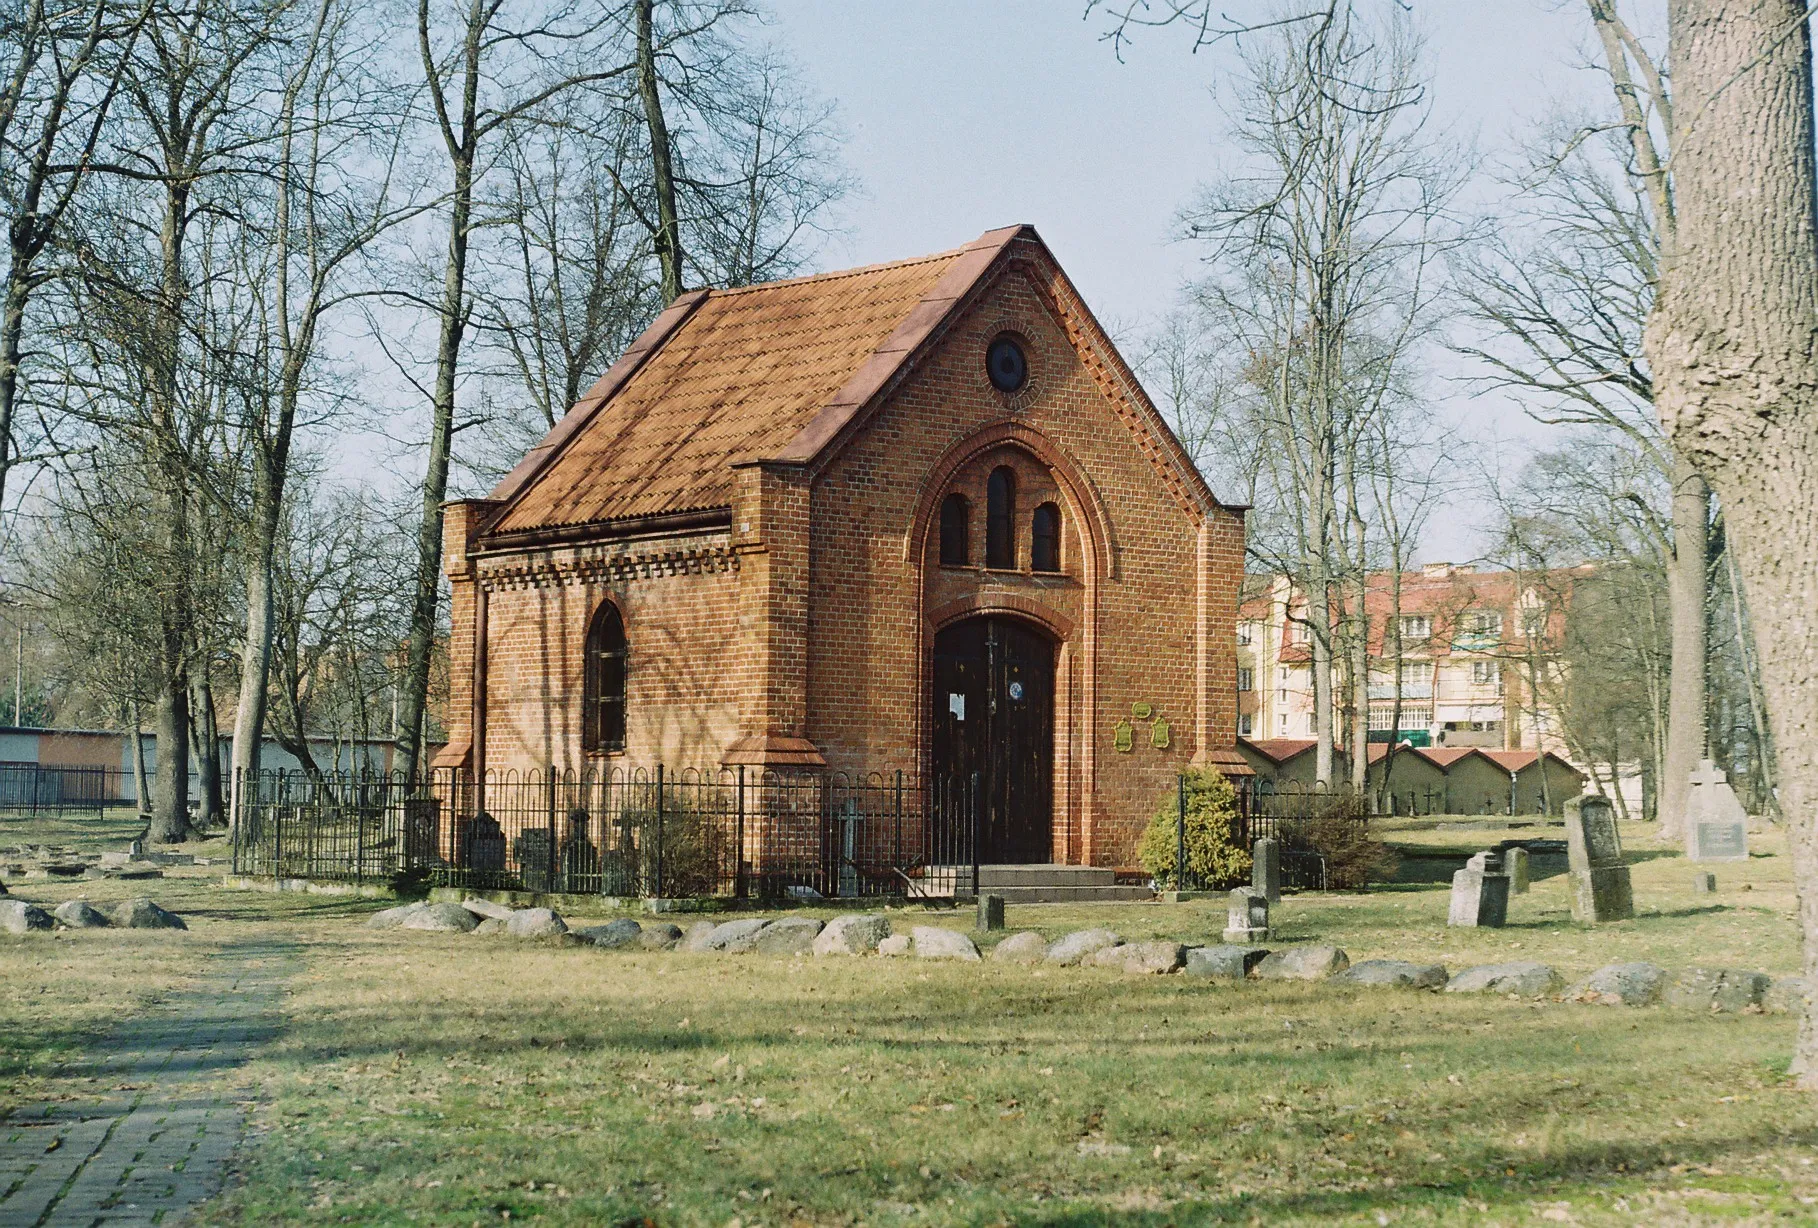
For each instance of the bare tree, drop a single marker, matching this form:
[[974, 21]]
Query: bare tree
[[1735, 373], [66, 61]]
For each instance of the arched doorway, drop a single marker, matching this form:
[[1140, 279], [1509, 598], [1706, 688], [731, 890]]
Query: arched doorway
[[994, 715]]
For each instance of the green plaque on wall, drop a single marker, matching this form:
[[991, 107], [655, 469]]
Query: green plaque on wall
[[1141, 710], [1158, 734], [1123, 737]]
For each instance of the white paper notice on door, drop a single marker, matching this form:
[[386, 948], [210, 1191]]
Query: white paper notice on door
[[956, 704]]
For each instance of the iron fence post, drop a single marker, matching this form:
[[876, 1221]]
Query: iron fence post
[[896, 860], [975, 821], [234, 829], [277, 830], [1180, 833], [738, 887], [657, 888], [359, 816]]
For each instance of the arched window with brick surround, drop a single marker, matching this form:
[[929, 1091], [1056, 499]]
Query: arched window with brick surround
[[1000, 518], [956, 531], [1044, 538], [603, 682]]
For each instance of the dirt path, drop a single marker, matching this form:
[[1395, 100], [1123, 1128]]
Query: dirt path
[[158, 1142]]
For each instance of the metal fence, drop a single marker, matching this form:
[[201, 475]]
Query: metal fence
[[1288, 815], [41, 787], [659, 832]]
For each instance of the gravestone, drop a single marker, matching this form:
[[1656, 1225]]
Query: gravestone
[[1265, 869], [484, 845], [1704, 883], [990, 912], [1480, 893], [1716, 826], [1600, 876], [1515, 865], [1247, 919]]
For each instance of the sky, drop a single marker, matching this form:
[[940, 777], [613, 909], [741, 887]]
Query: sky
[[965, 115]]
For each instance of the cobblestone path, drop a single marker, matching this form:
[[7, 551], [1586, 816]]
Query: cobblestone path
[[159, 1138]]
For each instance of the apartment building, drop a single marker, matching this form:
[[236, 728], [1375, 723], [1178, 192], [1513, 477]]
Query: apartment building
[[1456, 650]]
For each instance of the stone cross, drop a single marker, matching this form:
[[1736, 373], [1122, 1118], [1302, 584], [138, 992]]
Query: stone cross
[[1247, 919], [1599, 874], [1716, 826], [1265, 868], [1480, 893]]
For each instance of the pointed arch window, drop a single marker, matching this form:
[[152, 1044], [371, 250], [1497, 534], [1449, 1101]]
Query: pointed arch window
[[603, 681], [1000, 518], [1044, 538], [956, 531]]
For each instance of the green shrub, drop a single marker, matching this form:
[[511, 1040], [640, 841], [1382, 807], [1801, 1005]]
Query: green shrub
[[1214, 858]]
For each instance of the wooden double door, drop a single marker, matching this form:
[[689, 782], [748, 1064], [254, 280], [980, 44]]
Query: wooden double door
[[994, 716]]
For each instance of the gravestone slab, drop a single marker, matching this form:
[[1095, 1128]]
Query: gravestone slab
[[1247, 918], [990, 912], [1265, 869], [1704, 883], [1515, 865], [1716, 825], [1479, 897], [1229, 963], [1599, 875]]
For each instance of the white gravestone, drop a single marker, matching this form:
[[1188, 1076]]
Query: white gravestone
[[1247, 918], [1716, 826], [1480, 893]]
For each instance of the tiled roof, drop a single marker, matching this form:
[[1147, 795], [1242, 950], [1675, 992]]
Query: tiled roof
[[1279, 750], [726, 376]]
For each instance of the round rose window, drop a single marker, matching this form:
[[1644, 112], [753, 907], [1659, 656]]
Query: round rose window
[[1005, 363]]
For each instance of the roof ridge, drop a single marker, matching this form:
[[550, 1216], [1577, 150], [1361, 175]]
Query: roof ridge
[[835, 274]]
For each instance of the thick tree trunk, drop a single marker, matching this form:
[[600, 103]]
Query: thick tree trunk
[[1736, 376], [141, 787], [170, 796], [1687, 585], [206, 734], [255, 653], [668, 238]]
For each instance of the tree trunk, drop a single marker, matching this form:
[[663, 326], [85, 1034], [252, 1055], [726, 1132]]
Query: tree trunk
[[12, 332], [451, 327], [170, 797], [1736, 376], [206, 735], [668, 239], [141, 788], [1687, 584], [255, 653]]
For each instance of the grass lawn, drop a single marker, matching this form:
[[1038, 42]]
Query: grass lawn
[[442, 1079]]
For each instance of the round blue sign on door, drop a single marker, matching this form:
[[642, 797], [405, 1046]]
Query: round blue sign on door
[[1016, 690]]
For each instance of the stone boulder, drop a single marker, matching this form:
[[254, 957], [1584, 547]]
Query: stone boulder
[[486, 908], [934, 942], [143, 914], [698, 934], [726, 933], [80, 915], [441, 918], [535, 923], [491, 925], [1523, 977], [788, 936], [1785, 996], [392, 918], [18, 917], [1632, 984], [1311, 963], [660, 936], [1071, 949], [1223, 963], [619, 932], [856, 933], [1393, 973], [1027, 947], [1715, 989], [1154, 958], [896, 944]]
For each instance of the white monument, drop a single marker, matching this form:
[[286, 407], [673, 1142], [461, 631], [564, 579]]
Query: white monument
[[1716, 826]]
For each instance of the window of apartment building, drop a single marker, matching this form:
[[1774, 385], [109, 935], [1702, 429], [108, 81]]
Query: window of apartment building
[[1533, 622], [1246, 633], [1284, 722], [1296, 632], [1246, 678], [1245, 724], [1486, 673], [1381, 718], [1312, 722], [1281, 694], [1484, 622], [1416, 627]]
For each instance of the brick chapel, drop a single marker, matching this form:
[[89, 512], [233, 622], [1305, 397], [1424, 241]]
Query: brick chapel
[[918, 516]]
